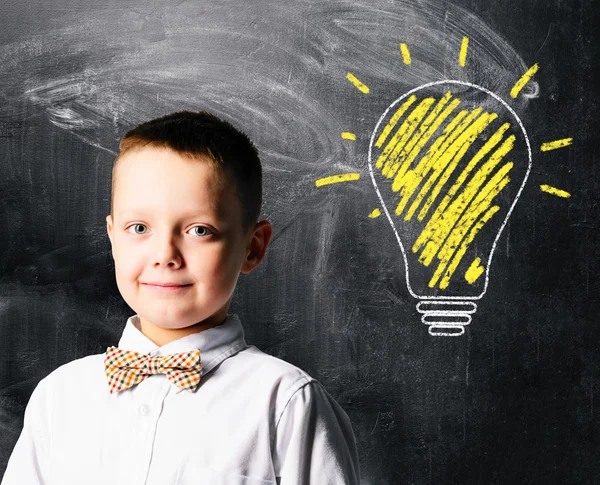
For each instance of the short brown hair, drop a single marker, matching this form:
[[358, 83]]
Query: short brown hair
[[202, 134]]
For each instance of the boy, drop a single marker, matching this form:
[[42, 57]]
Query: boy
[[183, 399]]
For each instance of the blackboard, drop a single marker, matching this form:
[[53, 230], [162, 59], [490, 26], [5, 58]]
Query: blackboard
[[510, 395]]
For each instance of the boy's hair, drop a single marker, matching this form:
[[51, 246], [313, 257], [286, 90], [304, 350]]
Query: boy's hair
[[202, 135]]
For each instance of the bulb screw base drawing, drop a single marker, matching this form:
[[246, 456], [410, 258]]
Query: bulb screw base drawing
[[446, 318]]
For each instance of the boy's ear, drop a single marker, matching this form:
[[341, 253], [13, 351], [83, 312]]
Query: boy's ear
[[109, 228], [255, 251]]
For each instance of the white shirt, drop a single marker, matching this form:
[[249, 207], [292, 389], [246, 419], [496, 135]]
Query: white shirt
[[255, 420]]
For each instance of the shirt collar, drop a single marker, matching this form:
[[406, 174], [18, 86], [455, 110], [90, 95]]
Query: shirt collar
[[216, 344]]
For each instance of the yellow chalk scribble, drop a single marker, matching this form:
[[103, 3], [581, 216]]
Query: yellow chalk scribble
[[463, 51], [346, 135], [553, 145], [375, 213], [448, 167], [516, 89], [448, 240], [464, 246], [474, 271], [334, 179], [407, 151], [448, 162], [391, 152], [554, 191], [491, 164], [405, 53], [363, 88], [393, 120]]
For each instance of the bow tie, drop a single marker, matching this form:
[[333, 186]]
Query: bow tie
[[125, 368]]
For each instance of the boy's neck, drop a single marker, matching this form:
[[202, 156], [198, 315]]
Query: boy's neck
[[162, 336]]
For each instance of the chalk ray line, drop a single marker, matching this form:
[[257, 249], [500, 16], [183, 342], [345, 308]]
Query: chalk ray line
[[362, 87], [405, 53], [553, 145], [463, 51], [554, 191], [334, 179], [524, 79]]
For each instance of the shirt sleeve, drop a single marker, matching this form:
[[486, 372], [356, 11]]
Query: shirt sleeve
[[28, 462], [314, 442]]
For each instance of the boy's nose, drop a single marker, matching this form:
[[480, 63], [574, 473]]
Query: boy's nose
[[167, 252]]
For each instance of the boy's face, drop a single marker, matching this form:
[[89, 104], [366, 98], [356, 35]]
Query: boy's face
[[174, 224]]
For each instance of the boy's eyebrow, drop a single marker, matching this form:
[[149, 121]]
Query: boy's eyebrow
[[190, 215]]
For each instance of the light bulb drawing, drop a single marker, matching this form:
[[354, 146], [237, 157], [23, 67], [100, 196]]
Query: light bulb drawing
[[448, 161]]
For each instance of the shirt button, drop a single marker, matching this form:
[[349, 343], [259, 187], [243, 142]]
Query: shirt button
[[144, 409]]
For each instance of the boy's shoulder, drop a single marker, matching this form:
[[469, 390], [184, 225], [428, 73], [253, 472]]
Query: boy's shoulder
[[267, 370], [80, 374], [270, 365], [272, 382]]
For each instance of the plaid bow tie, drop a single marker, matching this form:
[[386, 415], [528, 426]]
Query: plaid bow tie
[[125, 368]]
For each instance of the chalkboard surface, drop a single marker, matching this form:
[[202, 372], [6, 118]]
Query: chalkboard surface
[[473, 362]]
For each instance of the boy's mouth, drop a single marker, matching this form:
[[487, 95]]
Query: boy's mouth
[[156, 284]]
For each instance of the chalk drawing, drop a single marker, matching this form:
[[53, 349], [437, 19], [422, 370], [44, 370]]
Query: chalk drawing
[[462, 57], [554, 191], [449, 161], [441, 168], [405, 53], [334, 179], [514, 92], [374, 213], [553, 145], [363, 88]]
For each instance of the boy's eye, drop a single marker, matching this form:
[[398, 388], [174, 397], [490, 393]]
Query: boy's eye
[[137, 225], [205, 230]]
